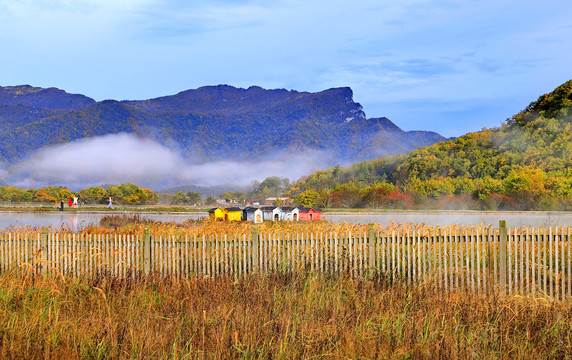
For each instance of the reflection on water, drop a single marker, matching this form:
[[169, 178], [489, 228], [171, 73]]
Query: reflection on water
[[78, 221], [72, 222]]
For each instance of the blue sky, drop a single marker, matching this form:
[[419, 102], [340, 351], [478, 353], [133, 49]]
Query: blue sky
[[448, 66]]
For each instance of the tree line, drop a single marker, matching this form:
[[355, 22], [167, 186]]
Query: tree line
[[272, 186], [128, 194]]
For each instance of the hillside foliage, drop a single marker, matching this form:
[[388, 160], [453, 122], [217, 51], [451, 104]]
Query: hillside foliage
[[524, 164]]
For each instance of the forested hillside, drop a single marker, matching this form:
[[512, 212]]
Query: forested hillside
[[524, 164], [207, 124]]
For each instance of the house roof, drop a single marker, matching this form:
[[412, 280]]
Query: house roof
[[233, 209], [268, 208], [214, 209], [307, 209], [250, 209]]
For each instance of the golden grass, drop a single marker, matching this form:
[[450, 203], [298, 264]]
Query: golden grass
[[136, 224], [275, 316]]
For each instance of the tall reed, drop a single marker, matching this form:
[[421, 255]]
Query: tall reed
[[274, 316]]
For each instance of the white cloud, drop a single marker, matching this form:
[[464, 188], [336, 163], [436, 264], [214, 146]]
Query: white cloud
[[123, 158]]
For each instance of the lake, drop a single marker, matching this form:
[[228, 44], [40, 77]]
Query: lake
[[79, 220]]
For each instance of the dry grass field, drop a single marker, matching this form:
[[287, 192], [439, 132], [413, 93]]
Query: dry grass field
[[135, 224], [283, 315], [273, 316]]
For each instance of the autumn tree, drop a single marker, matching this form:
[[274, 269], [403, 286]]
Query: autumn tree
[[526, 185], [179, 198], [93, 195]]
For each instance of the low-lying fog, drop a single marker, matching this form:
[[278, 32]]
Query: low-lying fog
[[124, 158]]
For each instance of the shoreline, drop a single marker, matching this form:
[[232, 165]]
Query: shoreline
[[345, 212]]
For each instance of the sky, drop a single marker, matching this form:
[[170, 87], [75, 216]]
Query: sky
[[449, 66]]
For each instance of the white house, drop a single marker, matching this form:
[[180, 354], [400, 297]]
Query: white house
[[252, 214], [271, 213], [290, 213]]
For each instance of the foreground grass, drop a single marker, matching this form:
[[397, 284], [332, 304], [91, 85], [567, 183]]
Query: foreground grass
[[274, 316]]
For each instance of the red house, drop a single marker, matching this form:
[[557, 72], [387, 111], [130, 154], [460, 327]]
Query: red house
[[310, 214]]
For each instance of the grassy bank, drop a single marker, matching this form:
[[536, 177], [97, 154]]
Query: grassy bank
[[136, 224], [276, 316]]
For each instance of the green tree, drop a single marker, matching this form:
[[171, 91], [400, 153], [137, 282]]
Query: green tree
[[526, 185], [307, 198], [194, 197], [271, 186], [151, 197], [210, 200], [131, 194], [179, 198], [14, 194], [64, 194], [486, 186], [93, 195], [27, 195]]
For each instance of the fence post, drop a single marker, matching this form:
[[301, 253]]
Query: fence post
[[502, 254], [371, 246], [44, 246], [147, 252], [255, 249]]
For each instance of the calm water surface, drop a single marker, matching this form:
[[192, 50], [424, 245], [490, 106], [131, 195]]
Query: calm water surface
[[514, 219], [78, 221]]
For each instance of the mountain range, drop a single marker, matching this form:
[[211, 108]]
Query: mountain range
[[206, 124]]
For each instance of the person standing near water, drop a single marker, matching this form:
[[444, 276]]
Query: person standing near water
[[110, 206], [62, 205]]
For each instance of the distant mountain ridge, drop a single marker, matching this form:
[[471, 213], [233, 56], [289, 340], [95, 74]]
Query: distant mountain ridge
[[208, 123], [50, 98]]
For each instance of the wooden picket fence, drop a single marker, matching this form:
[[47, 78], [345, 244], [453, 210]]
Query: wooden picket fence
[[526, 261]]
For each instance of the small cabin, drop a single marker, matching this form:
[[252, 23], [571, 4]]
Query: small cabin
[[290, 213], [252, 214], [234, 214], [271, 213], [309, 214], [218, 214]]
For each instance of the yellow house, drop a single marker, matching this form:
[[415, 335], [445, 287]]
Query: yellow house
[[234, 214], [225, 214], [218, 214]]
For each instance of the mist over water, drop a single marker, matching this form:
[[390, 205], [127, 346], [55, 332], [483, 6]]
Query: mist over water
[[124, 158]]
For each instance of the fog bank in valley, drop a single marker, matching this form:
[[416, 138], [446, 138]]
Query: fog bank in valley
[[123, 158]]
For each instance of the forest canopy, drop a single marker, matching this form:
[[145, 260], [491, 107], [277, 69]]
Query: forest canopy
[[523, 164]]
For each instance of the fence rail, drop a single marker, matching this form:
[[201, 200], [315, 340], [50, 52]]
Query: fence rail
[[523, 261]]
